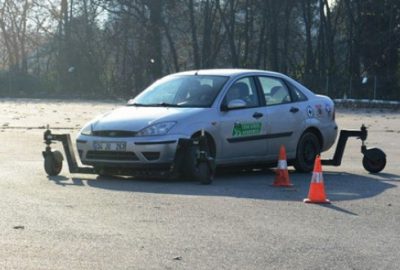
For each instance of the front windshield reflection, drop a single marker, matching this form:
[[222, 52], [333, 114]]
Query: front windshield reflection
[[181, 91]]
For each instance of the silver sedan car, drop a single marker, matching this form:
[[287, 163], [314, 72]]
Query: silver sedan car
[[245, 116]]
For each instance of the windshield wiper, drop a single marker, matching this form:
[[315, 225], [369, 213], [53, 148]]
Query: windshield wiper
[[161, 104], [137, 104], [166, 104]]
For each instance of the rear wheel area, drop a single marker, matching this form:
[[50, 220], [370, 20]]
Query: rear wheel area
[[308, 148]]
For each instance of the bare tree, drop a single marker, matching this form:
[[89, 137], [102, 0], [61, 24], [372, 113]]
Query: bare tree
[[13, 26]]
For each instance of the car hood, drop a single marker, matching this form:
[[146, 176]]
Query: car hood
[[137, 118]]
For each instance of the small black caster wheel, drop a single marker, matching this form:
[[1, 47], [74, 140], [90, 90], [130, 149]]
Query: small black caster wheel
[[53, 163], [374, 160]]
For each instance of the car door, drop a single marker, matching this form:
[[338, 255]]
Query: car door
[[283, 118], [242, 128]]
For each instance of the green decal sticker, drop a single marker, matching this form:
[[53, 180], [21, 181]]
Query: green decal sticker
[[246, 129]]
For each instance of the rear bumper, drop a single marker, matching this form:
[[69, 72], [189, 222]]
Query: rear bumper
[[329, 133]]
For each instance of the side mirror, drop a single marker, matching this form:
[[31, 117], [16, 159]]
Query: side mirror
[[236, 104]]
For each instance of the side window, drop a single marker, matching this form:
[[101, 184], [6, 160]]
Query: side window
[[245, 90], [275, 91], [297, 94]]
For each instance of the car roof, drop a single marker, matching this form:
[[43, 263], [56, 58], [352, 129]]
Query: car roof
[[229, 72]]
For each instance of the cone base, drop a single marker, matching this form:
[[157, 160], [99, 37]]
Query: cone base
[[326, 201]]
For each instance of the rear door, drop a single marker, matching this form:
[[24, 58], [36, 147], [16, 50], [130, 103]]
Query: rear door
[[242, 129], [284, 119]]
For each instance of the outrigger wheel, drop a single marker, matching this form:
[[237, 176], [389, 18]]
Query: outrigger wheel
[[374, 160], [53, 162]]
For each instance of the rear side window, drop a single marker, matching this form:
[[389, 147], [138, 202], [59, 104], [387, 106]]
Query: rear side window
[[297, 95], [275, 91]]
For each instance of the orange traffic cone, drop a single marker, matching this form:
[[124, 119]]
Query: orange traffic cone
[[317, 187], [282, 174]]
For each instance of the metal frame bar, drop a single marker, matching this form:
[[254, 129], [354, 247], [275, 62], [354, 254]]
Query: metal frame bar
[[73, 166], [68, 149], [344, 135]]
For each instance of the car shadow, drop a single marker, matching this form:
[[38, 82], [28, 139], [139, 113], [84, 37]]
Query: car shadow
[[339, 186], [390, 177]]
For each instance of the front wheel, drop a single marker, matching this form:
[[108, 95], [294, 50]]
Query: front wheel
[[308, 148], [198, 168], [203, 173]]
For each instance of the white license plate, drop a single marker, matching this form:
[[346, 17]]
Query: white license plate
[[109, 146]]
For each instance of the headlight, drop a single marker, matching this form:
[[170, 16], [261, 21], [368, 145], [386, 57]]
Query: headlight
[[156, 129], [87, 130]]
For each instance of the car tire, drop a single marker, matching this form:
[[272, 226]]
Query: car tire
[[203, 173], [193, 169], [308, 148], [189, 164], [53, 163]]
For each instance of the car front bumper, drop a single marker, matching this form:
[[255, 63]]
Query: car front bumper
[[156, 152]]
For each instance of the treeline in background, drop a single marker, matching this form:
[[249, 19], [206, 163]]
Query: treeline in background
[[115, 48]]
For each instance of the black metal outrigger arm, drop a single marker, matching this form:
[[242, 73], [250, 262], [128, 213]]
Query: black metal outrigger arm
[[343, 136], [374, 159], [54, 158], [68, 149]]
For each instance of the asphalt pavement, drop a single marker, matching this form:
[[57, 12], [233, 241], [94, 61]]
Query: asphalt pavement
[[238, 222]]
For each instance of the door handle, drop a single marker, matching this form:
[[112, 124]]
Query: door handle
[[294, 110], [257, 115]]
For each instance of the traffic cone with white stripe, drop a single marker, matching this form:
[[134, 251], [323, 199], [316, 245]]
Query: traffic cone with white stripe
[[282, 174], [316, 193]]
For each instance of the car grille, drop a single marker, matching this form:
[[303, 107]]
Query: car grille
[[114, 133], [150, 156], [111, 155]]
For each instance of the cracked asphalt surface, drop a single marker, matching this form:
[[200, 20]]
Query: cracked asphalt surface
[[238, 222]]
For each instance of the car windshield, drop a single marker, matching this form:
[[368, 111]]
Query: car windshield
[[181, 91]]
